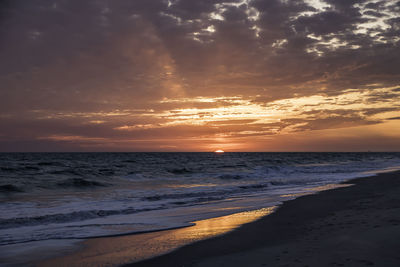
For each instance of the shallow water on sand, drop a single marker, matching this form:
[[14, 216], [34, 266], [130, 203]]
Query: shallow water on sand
[[132, 248]]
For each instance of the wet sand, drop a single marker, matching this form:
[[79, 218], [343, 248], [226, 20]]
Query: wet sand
[[117, 250], [349, 226]]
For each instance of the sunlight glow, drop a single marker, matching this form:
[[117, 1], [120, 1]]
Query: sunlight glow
[[241, 116]]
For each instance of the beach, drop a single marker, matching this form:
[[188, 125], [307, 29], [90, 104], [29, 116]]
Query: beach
[[357, 225]]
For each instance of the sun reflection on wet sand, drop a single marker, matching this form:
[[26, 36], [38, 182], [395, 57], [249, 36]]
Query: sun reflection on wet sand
[[113, 251]]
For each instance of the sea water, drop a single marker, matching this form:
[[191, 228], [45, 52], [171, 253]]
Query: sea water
[[54, 196]]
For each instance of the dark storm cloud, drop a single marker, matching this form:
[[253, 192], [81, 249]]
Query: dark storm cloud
[[100, 56]]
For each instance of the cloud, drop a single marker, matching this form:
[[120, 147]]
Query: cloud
[[394, 118], [68, 65]]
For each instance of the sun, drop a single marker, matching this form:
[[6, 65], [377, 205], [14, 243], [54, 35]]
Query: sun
[[219, 151]]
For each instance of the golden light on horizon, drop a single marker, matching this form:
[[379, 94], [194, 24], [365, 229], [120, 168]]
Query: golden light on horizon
[[219, 151], [196, 96]]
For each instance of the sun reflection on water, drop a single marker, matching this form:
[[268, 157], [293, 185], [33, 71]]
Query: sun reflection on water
[[131, 248]]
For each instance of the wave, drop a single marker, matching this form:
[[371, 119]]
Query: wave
[[179, 171], [66, 172], [9, 169], [106, 172], [19, 169], [203, 195], [79, 182], [130, 161], [51, 163], [60, 218], [254, 186], [228, 166], [231, 176], [31, 168], [9, 188], [83, 215]]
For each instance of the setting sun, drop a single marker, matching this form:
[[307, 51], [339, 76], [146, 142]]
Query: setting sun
[[118, 114]]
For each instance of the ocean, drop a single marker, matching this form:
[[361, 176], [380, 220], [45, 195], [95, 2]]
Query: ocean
[[48, 196]]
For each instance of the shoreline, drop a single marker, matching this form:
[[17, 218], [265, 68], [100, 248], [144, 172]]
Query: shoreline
[[357, 225], [130, 250], [122, 249]]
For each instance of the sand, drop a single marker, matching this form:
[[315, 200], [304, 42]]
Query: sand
[[350, 226]]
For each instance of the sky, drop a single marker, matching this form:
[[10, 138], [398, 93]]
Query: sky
[[199, 75]]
